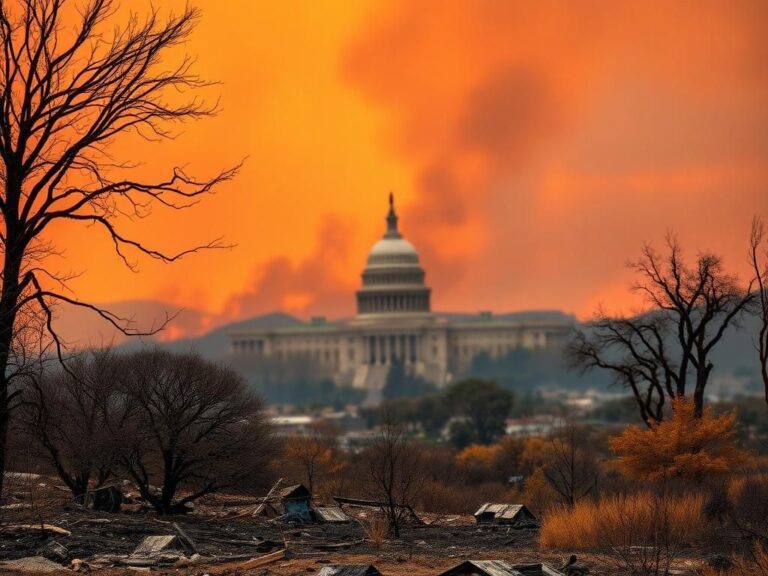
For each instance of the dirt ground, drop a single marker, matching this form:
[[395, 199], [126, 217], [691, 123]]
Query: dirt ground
[[420, 551], [224, 541]]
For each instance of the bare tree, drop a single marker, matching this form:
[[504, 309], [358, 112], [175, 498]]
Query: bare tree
[[635, 351], [570, 465], [758, 256], [396, 472], [71, 83], [190, 426], [658, 352], [313, 452], [65, 415]]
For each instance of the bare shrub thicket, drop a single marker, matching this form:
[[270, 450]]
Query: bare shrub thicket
[[192, 426], [314, 455], [29, 497], [176, 425], [642, 532], [66, 416], [570, 464], [395, 472]]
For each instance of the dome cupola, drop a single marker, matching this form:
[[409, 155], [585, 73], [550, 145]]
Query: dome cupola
[[393, 279]]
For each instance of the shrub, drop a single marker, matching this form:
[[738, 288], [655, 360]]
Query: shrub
[[538, 494], [641, 532], [479, 455], [683, 446]]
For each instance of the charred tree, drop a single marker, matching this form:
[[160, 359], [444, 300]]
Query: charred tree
[[396, 472], [665, 351], [758, 257], [65, 415], [190, 428], [71, 83]]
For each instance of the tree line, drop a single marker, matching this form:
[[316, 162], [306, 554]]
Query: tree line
[[471, 411]]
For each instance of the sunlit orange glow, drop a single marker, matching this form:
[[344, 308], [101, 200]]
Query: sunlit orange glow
[[532, 147]]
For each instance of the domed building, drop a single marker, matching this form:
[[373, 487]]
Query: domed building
[[393, 279], [395, 325]]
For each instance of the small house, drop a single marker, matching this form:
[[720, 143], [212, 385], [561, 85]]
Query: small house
[[290, 502], [296, 502], [349, 570], [512, 514], [500, 568]]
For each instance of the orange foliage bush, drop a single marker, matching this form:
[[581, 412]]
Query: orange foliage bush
[[682, 446], [538, 494], [479, 455]]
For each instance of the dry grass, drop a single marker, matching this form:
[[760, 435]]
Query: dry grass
[[376, 528], [642, 532], [634, 518]]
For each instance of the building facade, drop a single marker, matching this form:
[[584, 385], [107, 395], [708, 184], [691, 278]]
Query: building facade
[[395, 324]]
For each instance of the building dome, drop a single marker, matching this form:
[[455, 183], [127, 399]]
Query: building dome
[[393, 279], [392, 250]]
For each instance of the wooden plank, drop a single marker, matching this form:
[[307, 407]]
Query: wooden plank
[[154, 544], [185, 539]]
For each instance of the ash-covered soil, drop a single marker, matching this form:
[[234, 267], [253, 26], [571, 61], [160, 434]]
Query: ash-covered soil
[[223, 542], [94, 533]]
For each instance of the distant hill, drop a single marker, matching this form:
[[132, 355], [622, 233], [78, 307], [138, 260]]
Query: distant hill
[[81, 327], [215, 344], [734, 358]]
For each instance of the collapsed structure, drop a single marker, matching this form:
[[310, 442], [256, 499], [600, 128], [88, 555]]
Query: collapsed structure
[[349, 570], [294, 504], [500, 568], [512, 514]]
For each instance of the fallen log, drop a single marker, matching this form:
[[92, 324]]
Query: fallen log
[[14, 528], [227, 563]]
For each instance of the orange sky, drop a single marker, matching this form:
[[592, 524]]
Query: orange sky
[[532, 148]]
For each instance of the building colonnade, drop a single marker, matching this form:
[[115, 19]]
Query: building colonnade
[[391, 348]]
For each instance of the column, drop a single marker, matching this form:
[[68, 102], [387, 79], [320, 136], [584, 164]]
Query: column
[[382, 351]]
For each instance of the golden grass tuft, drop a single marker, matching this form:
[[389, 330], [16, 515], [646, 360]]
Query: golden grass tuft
[[641, 533], [376, 529], [632, 520]]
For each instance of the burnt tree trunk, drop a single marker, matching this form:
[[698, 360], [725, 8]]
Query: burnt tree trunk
[[11, 291]]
